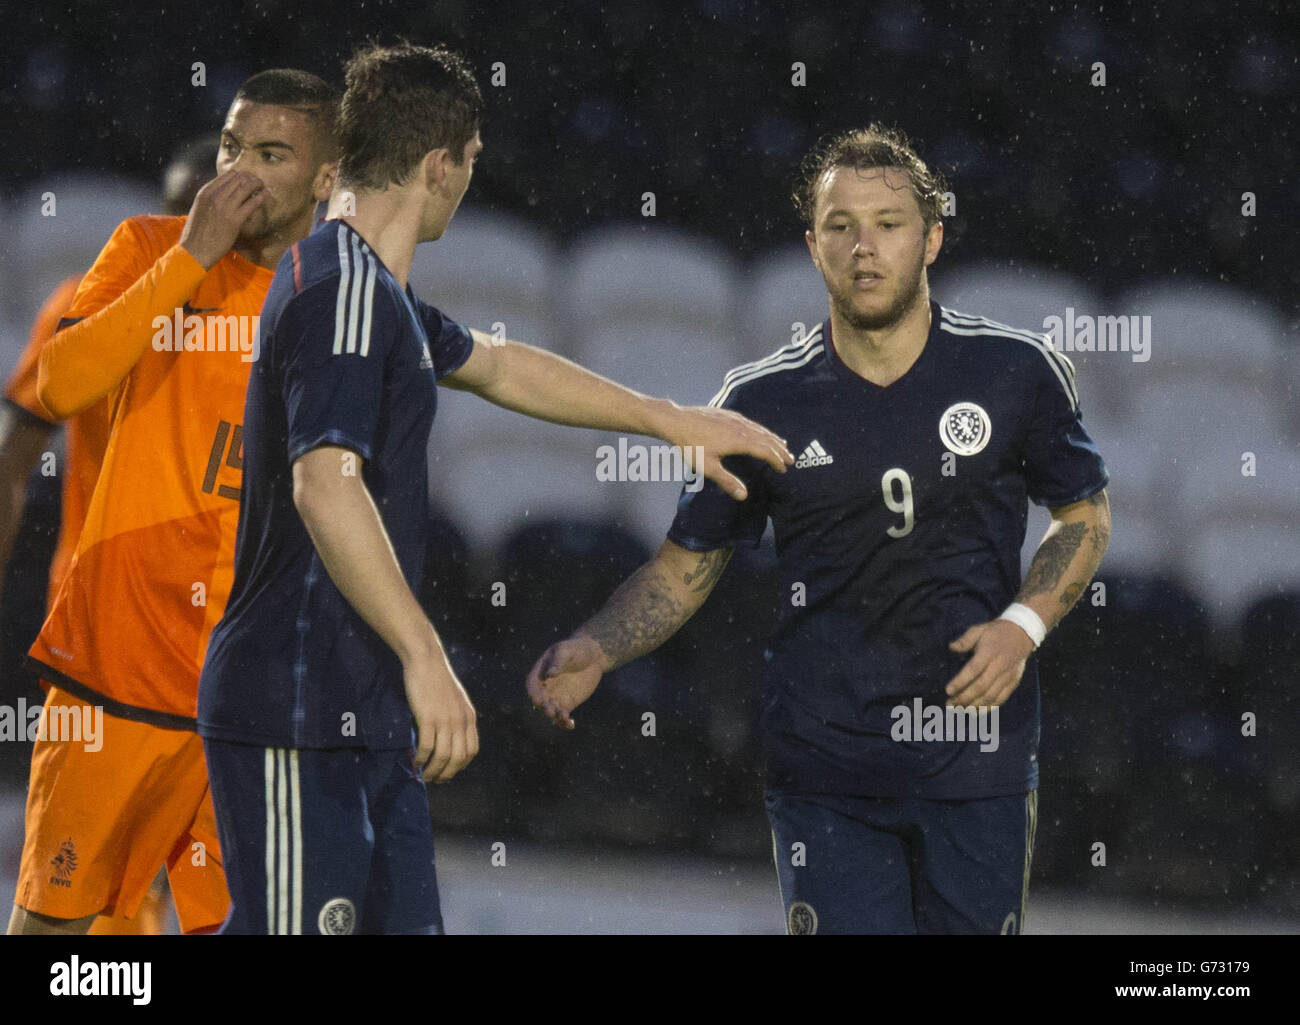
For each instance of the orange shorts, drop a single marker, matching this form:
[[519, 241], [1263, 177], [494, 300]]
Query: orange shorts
[[107, 808]]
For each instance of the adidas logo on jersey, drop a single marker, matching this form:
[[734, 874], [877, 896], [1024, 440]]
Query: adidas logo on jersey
[[813, 455], [426, 361]]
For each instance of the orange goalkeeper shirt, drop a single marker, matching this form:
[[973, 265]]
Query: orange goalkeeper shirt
[[85, 435], [153, 566]]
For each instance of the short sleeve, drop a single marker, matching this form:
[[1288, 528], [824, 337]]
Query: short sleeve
[[709, 518], [1061, 462], [450, 344], [333, 369]]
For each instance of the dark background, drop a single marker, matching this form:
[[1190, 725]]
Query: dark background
[[694, 100]]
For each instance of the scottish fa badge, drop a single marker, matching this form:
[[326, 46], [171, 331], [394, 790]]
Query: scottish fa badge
[[965, 428]]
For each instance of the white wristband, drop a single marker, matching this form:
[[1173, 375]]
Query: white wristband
[[1028, 621]]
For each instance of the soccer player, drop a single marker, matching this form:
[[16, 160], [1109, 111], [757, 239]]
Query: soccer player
[[324, 660], [26, 428], [161, 328], [901, 712]]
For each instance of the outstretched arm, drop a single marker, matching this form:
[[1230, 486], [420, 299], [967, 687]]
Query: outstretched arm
[[540, 384], [648, 608], [1066, 560]]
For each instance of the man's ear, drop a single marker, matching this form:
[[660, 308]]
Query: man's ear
[[811, 239], [933, 242], [323, 184], [435, 168]]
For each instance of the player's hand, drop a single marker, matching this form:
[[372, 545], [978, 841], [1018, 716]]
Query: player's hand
[[220, 209], [445, 721], [720, 433], [1000, 650], [565, 676]]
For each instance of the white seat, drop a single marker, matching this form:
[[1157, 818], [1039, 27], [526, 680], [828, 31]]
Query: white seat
[[658, 357], [1231, 564], [490, 268], [1021, 296], [1200, 426], [651, 274], [1141, 544], [1142, 476], [1209, 328], [653, 309], [462, 416], [45, 250], [646, 509], [491, 483], [782, 297]]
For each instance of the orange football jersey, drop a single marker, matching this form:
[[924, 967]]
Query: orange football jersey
[[153, 566], [85, 435]]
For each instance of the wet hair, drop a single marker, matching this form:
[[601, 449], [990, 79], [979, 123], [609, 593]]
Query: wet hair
[[865, 149], [400, 102]]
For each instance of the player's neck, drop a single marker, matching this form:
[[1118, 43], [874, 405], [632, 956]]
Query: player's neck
[[389, 221], [883, 355]]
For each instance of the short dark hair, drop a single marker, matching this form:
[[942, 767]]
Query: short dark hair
[[863, 149], [304, 92], [192, 165], [400, 102]]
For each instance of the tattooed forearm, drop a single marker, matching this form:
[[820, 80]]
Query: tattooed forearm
[[1071, 595], [1052, 560], [706, 572], [1067, 559], [653, 603], [639, 616]]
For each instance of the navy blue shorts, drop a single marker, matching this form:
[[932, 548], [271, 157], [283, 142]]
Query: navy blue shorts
[[323, 841], [903, 865]]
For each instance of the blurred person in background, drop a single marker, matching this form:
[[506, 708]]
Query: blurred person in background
[[27, 427]]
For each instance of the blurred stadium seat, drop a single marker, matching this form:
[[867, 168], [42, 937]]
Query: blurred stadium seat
[[88, 207], [1231, 563], [781, 289], [491, 482], [492, 268], [1209, 328], [654, 309]]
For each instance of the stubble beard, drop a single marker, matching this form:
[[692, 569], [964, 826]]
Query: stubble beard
[[273, 227], [902, 305]]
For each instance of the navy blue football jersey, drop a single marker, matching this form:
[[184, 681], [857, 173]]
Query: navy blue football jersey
[[348, 358], [899, 526]]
